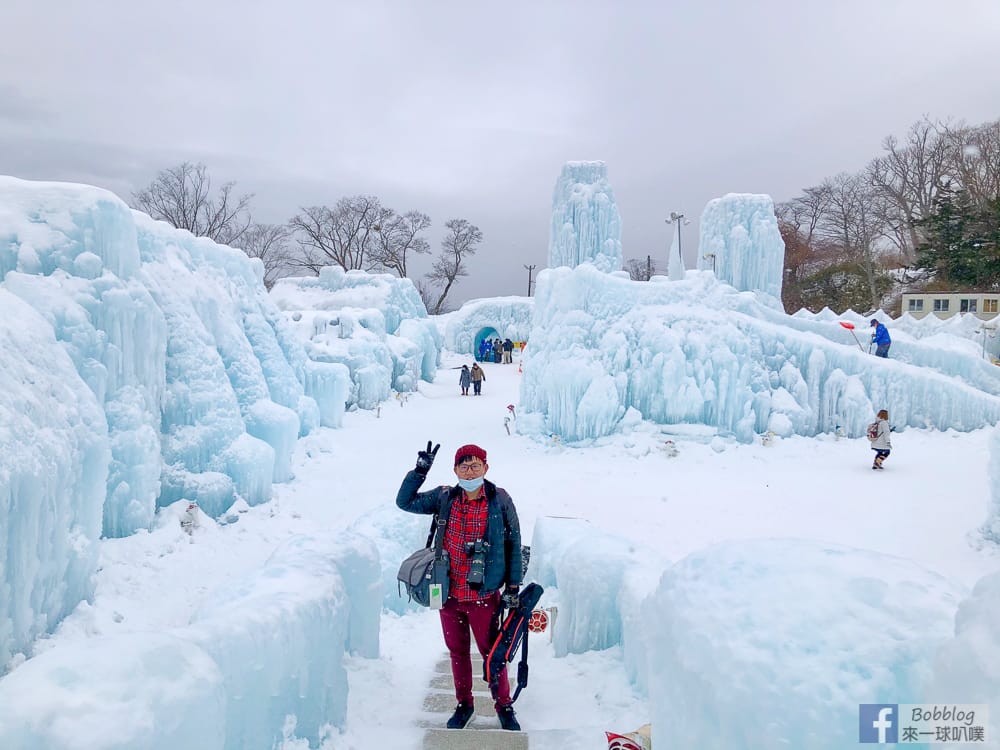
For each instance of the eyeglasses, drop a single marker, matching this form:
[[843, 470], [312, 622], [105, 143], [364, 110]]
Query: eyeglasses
[[473, 468]]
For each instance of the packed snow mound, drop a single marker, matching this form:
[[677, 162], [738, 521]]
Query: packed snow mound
[[741, 631], [504, 317], [741, 242], [585, 225], [227, 681], [965, 667], [144, 691], [374, 324], [699, 351]]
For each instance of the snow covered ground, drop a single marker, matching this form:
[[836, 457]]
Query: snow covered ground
[[924, 506]]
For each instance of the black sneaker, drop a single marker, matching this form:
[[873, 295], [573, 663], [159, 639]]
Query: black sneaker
[[462, 716], [508, 720]]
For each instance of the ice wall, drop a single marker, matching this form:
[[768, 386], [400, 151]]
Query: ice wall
[[373, 324], [742, 631], [739, 235], [506, 317], [699, 351], [71, 253], [585, 221], [54, 457], [965, 667], [598, 582], [199, 385], [267, 646], [959, 333]]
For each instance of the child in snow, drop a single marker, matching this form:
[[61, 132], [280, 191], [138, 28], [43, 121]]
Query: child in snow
[[881, 443]]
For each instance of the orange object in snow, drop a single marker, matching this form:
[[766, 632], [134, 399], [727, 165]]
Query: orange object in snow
[[539, 621]]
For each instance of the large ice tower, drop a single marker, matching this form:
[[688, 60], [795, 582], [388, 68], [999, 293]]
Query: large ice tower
[[741, 242], [585, 221]]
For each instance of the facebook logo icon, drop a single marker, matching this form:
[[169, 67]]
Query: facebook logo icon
[[878, 723]]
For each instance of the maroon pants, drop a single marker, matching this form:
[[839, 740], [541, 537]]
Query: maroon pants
[[457, 618]]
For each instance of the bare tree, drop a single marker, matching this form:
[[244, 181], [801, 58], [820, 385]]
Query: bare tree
[[182, 196], [426, 292], [346, 235], [909, 176], [270, 243], [641, 269], [458, 244], [974, 161], [398, 236], [853, 221]]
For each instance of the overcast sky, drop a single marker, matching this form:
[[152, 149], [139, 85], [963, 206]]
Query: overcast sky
[[469, 109]]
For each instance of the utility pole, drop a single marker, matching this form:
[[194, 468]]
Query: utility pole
[[530, 268]]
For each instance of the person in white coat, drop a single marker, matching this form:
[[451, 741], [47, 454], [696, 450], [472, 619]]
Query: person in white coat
[[881, 443]]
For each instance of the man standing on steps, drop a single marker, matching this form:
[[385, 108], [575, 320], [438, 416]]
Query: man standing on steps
[[482, 536]]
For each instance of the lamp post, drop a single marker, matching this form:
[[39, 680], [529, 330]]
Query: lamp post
[[676, 272], [530, 269], [676, 218]]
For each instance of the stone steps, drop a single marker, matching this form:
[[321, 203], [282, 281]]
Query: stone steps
[[483, 733]]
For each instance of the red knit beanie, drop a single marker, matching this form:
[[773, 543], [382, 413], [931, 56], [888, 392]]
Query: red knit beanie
[[467, 451]]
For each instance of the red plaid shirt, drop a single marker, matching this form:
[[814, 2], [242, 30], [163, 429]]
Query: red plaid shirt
[[466, 524]]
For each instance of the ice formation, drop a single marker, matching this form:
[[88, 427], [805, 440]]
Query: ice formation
[[373, 324], [53, 478], [248, 660], [964, 333], [741, 631], [156, 365], [965, 667], [504, 317], [700, 351], [585, 221], [599, 582], [740, 240]]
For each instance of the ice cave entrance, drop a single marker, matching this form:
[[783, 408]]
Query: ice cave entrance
[[484, 333]]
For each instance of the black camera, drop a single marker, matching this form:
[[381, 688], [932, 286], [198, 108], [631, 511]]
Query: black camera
[[477, 562]]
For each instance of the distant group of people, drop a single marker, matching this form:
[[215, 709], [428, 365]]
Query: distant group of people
[[474, 377], [495, 350]]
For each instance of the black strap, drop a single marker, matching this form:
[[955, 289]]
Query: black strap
[[440, 519], [522, 666]]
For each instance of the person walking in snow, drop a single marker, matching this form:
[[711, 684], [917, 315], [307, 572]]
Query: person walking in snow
[[478, 376], [878, 434], [464, 378], [508, 351], [482, 536], [881, 339]]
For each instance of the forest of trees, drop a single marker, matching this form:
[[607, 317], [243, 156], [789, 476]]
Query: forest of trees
[[357, 233], [925, 214]]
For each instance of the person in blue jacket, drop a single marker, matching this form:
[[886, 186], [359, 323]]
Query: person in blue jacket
[[880, 337]]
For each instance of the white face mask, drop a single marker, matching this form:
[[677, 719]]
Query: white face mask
[[471, 485]]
